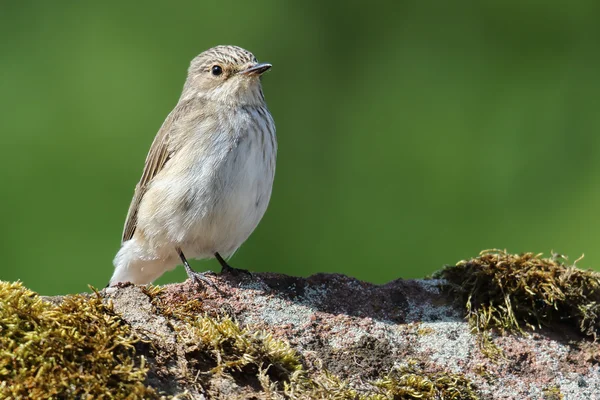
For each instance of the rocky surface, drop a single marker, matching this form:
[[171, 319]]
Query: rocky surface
[[357, 331]]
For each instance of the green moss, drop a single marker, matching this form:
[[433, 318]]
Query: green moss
[[323, 385], [425, 331], [235, 348], [483, 371], [181, 308], [487, 345], [511, 293], [78, 349], [552, 393], [413, 383]]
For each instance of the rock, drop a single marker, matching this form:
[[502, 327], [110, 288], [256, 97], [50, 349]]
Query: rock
[[271, 336]]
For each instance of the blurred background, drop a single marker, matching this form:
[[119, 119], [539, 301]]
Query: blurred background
[[412, 134]]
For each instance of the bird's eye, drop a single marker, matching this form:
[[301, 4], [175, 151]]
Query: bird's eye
[[216, 70]]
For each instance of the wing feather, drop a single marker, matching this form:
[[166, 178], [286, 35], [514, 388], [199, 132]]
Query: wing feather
[[160, 153]]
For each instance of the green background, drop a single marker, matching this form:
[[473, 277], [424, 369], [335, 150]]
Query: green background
[[412, 134]]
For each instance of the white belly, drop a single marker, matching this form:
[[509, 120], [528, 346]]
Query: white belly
[[223, 220], [211, 200]]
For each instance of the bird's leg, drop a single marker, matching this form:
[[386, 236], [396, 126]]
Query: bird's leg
[[193, 275], [228, 269]]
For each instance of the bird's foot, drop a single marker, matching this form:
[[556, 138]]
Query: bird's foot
[[227, 269], [200, 278]]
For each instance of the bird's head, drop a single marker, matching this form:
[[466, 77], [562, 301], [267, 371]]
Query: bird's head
[[226, 74]]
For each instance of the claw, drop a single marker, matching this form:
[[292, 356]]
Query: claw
[[197, 277]]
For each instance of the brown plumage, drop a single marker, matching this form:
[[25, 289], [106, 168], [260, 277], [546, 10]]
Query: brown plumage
[[208, 176]]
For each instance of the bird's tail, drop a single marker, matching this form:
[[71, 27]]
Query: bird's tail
[[132, 264]]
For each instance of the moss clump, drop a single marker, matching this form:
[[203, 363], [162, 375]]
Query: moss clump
[[235, 348], [512, 292], [552, 393], [77, 349], [412, 383], [179, 306]]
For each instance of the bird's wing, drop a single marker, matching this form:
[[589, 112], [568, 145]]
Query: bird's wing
[[160, 152]]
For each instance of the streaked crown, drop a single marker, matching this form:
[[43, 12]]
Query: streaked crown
[[226, 74], [225, 55]]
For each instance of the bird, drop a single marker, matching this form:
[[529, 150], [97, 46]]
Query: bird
[[208, 176]]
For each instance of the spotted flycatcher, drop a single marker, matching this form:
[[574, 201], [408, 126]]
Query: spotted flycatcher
[[208, 175]]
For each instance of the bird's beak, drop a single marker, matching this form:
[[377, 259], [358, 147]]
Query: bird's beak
[[256, 69]]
